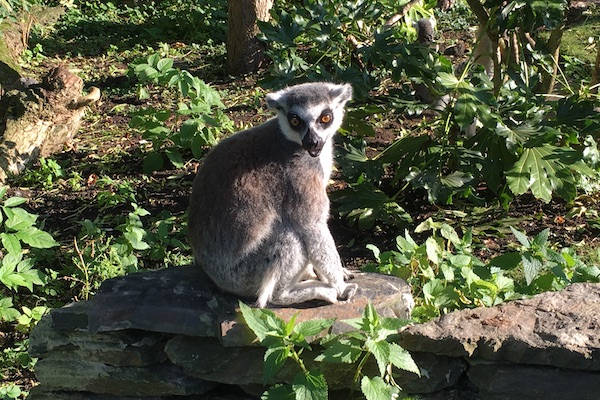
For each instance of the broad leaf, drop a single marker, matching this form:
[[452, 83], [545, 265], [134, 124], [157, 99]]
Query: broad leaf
[[257, 325], [274, 359], [311, 386], [340, 351], [376, 389], [279, 392], [381, 350], [531, 267], [402, 359], [313, 327]]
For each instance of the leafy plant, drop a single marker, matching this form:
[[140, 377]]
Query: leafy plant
[[46, 175], [445, 275], [117, 192], [16, 270], [287, 340], [199, 119]]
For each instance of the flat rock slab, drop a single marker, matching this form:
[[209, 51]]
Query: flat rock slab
[[184, 301], [206, 359], [560, 329], [523, 382]]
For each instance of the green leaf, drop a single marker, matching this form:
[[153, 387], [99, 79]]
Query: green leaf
[[521, 237], [340, 351], [254, 322], [36, 238], [433, 250], [450, 234], [506, 261], [447, 80], [164, 64], [538, 169], [531, 267], [376, 389], [154, 161], [18, 219], [279, 392], [11, 243], [313, 327], [175, 157], [7, 312], [274, 359], [311, 386], [402, 359], [14, 201], [541, 239], [381, 350]]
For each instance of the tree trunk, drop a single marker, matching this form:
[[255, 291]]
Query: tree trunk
[[549, 78], [244, 50], [38, 120], [596, 72]]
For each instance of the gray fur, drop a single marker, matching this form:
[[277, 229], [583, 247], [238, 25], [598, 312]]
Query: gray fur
[[259, 208]]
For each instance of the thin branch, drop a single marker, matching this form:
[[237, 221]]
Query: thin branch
[[397, 17], [479, 11]]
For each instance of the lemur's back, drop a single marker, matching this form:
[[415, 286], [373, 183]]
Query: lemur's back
[[248, 175]]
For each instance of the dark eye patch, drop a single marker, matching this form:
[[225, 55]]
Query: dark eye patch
[[326, 117], [295, 121]]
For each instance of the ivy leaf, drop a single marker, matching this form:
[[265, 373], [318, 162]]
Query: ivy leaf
[[376, 389]]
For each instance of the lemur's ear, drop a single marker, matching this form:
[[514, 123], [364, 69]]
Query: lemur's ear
[[274, 100], [341, 93]]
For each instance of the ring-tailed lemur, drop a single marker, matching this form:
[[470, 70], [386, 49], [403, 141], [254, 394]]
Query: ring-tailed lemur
[[258, 210]]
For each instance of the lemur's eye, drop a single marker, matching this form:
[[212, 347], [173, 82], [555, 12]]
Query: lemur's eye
[[325, 118], [295, 121]]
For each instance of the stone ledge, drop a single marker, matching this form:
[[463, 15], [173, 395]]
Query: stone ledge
[[159, 334]]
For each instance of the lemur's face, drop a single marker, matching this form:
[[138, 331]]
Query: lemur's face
[[311, 113]]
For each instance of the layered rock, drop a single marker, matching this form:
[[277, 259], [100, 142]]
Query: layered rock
[[171, 334]]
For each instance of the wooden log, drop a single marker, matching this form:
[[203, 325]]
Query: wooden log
[[39, 120]]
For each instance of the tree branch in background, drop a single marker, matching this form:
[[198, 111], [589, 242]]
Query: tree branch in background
[[479, 11], [596, 71], [553, 46], [397, 17]]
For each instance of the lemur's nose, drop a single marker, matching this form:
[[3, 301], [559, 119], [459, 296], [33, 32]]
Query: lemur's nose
[[312, 143]]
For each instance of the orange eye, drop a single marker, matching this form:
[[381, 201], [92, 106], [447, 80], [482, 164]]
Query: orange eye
[[326, 118], [295, 122]]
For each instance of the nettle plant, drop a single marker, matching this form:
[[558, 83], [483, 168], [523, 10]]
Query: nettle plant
[[287, 341], [195, 125], [19, 235], [445, 275]]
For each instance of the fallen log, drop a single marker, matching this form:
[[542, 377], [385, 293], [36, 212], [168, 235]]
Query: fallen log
[[38, 120]]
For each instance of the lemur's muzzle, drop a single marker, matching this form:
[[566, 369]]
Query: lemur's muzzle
[[312, 143]]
